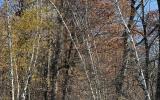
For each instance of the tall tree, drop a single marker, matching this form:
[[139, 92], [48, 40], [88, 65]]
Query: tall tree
[[120, 78], [11, 67], [157, 96], [146, 44]]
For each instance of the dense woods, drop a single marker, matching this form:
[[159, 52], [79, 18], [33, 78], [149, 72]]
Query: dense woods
[[79, 50]]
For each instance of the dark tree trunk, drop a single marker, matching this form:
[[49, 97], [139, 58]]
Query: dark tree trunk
[[55, 65], [121, 75], [146, 59], [146, 47], [67, 67], [157, 97], [65, 83], [54, 68]]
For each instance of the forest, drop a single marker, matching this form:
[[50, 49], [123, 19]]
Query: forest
[[80, 50]]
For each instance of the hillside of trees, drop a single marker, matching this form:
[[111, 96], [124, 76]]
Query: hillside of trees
[[79, 50]]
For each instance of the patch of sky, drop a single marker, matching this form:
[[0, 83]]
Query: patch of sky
[[1, 2], [151, 5]]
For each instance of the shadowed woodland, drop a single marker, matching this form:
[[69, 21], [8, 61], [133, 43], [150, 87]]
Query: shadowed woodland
[[79, 50]]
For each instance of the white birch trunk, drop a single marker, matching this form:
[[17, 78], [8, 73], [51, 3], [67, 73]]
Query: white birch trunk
[[10, 50], [31, 69], [141, 74], [17, 79]]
